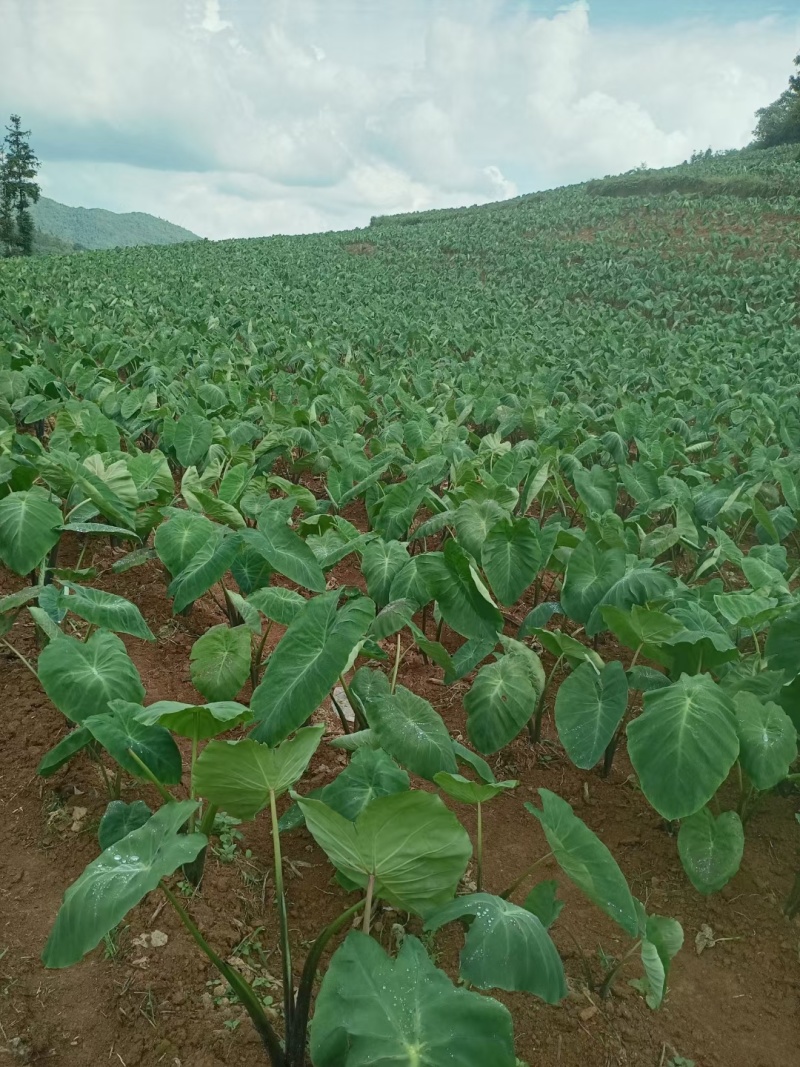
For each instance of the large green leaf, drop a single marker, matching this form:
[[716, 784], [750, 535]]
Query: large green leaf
[[683, 745], [463, 600], [180, 538], [591, 572], [415, 848], [511, 558], [589, 708], [29, 527], [767, 739], [220, 661], [240, 775], [507, 947], [371, 773], [285, 551], [82, 677], [783, 641], [118, 730], [278, 604], [374, 1010], [381, 562], [586, 861], [637, 586], [197, 721], [597, 489], [408, 728], [474, 520], [106, 610], [499, 704], [643, 628], [118, 879], [192, 439], [307, 662], [205, 568], [711, 849]]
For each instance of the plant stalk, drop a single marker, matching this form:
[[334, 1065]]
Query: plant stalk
[[610, 978], [525, 874], [535, 723], [240, 986], [479, 851], [368, 903], [280, 897]]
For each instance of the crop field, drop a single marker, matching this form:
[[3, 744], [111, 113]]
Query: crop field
[[400, 638]]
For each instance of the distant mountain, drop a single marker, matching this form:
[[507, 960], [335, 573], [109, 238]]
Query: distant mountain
[[66, 229]]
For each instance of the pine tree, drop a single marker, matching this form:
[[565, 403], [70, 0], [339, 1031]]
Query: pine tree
[[18, 189]]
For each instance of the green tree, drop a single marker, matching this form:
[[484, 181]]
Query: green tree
[[779, 122], [18, 190]]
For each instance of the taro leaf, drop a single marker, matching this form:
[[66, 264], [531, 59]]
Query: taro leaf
[[783, 642], [586, 861], [557, 643], [370, 773], [467, 792], [409, 583], [250, 570], [197, 721], [81, 677], [507, 947], [463, 600], [409, 729], [767, 739], [473, 520], [683, 745], [543, 902], [353, 742], [285, 551], [106, 610], [663, 940], [75, 741], [597, 489], [392, 618], [192, 439], [416, 849], [306, 663], [119, 730], [42, 619], [16, 600], [220, 661], [381, 562], [591, 572], [119, 819], [118, 879], [367, 685], [278, 604], [239, 776], [502, 699], [202, 571], [642, 628], [589, 708], [645, 679], [511, 558], [245, 611], [637, 586], [435, 651], [29, 527], [372, 1009], [137, 558], [178, 540], [746, 609], [702, 644], [472, 759], [538, 617], [711, 849], [468, 656], [98, 528]]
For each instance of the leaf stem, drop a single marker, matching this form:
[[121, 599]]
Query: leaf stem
[[20, 657], [280, 897], [535, 723], [525, 874], [396, 664], [240, 986], [479, 850], [165, 793], [610, 978], [368, 903]]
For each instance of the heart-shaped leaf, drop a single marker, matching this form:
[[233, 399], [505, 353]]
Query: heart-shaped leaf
[[408, 728], [119, 730], [589, 708], [463, 600], [106, 610], [220, 661], [82, 677], [240, 776], [711, 849], [499, 704], [119, 819], [683, 745], [29, 527], [767, 740], [511, 558], [196, 721], [373, 1009], [507, 947], [467, 792]]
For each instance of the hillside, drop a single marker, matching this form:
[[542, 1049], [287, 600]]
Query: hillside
[[96, 228]]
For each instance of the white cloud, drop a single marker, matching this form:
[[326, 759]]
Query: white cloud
[[237, 118]]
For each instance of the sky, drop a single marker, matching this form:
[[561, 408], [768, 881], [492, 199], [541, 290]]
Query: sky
[[243, 118]]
